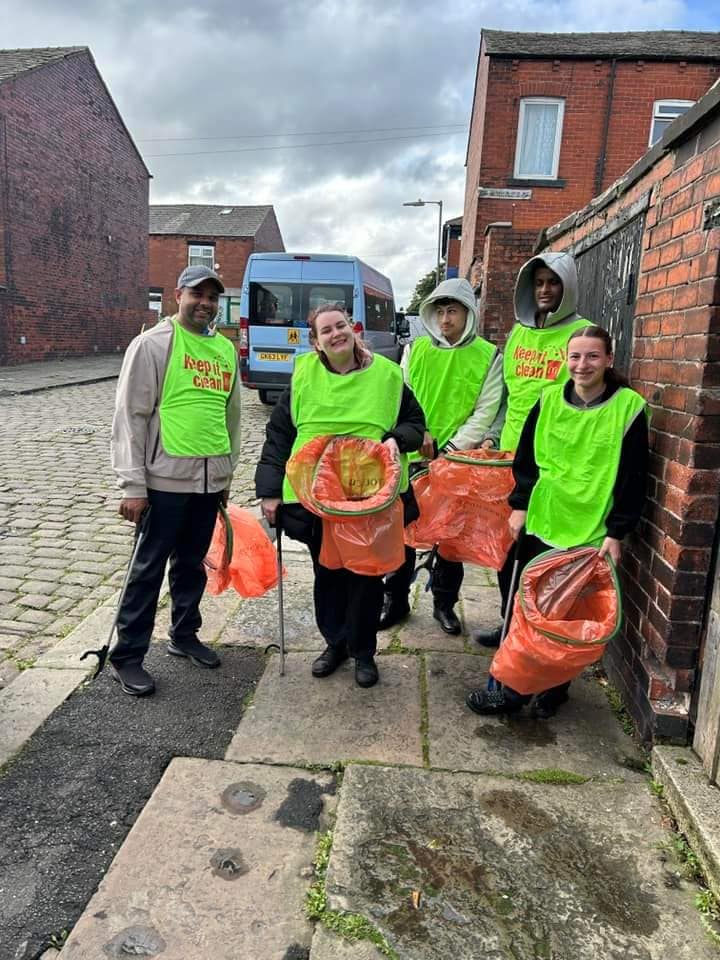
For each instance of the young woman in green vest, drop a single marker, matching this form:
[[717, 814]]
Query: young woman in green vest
[[580, 477], [545, 305], [341, 389]]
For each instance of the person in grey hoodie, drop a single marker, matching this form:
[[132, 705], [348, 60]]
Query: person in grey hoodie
[[546, 294], [457, 378]]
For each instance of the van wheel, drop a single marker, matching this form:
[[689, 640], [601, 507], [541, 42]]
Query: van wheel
[[264, 398]]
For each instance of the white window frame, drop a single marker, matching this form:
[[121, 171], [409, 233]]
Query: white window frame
[[656, 115], [199, 251], [155, 302], [558, 138]]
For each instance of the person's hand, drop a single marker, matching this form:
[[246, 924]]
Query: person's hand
[[427, 450], [611, 548], [391, 444], [487, 445], [516, 522], [132, 508], [224, 497], [269, 506]]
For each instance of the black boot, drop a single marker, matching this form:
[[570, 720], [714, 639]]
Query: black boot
[[487, 638], [328, 661], [133, 678], [494, 703], [447, 619], [366, 672], [394, 610]]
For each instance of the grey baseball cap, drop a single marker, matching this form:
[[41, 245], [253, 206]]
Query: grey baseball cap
[[192, 276]]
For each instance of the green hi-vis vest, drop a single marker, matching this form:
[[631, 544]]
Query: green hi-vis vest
[[447, 382], [534, 357], [198, 381], [364, 403], [577, 450]]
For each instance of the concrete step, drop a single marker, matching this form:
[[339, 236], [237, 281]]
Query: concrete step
[[217, 866], [467, 866]]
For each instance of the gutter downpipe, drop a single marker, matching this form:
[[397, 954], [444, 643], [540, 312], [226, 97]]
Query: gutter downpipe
[[600, 166]]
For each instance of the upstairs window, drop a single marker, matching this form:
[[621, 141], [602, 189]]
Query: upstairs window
[[664, 112], [537, 154], [201, 255]]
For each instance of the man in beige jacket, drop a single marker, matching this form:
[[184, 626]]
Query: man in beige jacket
[[175, 444]]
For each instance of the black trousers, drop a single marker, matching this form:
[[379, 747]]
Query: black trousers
[[447, 580], [529, 548], [179, 529], [347, 605]]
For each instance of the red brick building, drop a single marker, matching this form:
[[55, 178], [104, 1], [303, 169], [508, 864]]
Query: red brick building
[[73, 211], [220, 237], [556, 119], [648, 252]]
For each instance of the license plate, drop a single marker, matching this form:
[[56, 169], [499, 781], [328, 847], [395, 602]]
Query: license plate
[[271, 356]]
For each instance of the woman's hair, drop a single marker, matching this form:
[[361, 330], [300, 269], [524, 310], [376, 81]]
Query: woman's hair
[[598, 333], [360, 349]]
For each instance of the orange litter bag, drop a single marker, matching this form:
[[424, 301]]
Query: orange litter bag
[[567, 608], [438, 518], [240, 555], [473, 486], [353, 485]]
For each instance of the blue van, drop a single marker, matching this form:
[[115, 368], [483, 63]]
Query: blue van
[[279, 291]]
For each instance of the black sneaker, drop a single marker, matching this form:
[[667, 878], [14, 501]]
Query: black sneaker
[[447, 619], [547, 703], [133, 678], [196, 652], [366, 672], [487, 638], [493, 703], [328, 661], [394, 610]]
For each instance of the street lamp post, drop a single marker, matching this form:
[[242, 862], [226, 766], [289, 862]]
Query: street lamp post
[[439, 205]]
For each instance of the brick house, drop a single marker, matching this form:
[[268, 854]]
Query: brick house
[[73, 209], [648, 253], [221, 237], [556, 119]]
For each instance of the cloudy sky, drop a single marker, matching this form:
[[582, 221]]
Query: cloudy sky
[[334, 112]]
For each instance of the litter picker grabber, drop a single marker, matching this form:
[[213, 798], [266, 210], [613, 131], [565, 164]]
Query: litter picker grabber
[[281, 607], [492, 683], [428, 560], [103, 653]]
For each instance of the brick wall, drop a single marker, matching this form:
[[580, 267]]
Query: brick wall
[[169, 257], [676, 349], [585, 170], [73, 211], [504, 253]]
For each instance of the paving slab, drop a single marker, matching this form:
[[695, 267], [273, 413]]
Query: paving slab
[[217, 866], [453, 865], [327, 945], [421, 631], [255, 622], [28, 701], [695, 804], [297, 718], [584, 737]]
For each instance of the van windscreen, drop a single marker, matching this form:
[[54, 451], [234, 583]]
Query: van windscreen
[[276, 304]]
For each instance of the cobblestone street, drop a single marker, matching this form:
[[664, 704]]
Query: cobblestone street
[[63, 547]]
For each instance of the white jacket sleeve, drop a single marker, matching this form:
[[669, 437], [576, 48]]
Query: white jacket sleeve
[[135, 401], [477, 426]]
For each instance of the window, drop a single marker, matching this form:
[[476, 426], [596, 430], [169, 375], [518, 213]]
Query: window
[[538, 142], [276, 304], [330, 293], [201, 255], [155, 301], [379, 311], [664, 112]]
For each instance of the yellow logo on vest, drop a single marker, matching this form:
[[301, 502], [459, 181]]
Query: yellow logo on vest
[[210, 375]]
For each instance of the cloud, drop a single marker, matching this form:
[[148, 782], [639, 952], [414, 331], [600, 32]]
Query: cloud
[[261, 73]]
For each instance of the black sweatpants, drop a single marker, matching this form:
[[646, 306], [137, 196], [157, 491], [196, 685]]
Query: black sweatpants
[[530, 547], [179, 529], [447, 580], [347, 605]]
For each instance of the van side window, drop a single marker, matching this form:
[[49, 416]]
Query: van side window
[[379, 311], [275, 304]]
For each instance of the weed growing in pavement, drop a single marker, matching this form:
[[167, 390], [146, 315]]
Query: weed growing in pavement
[[350, 926], [709, 908], [657, 789], [618, 708], [57, 940], [550, 775], [24, 664]]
